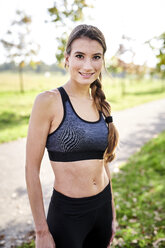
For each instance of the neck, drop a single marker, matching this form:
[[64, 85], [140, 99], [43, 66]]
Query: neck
[[78, 90]]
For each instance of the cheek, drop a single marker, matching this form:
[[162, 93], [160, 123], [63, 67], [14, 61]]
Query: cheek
[[99, 65], [75, 65]]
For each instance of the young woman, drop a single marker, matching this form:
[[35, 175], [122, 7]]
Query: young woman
[[74, 122]]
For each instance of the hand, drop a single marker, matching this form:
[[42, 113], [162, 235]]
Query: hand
[[113, 232], [44, 241]]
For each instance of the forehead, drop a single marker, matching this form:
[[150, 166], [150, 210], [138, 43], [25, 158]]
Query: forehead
[[86, 45]]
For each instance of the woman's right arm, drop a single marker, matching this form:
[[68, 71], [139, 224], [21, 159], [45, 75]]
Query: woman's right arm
[[39, 126]]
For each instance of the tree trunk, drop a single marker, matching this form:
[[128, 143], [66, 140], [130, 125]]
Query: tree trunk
[[163, 82], [123, 84], [21, 79]]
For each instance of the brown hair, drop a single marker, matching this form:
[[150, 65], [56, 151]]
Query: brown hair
[[98, 95]]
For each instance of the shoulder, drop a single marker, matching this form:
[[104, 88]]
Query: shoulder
[[47, 98], [45, 101]]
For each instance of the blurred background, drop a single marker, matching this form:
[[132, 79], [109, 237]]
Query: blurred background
[[33, 36]]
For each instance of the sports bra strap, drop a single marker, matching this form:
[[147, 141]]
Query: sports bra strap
[[64, 95]]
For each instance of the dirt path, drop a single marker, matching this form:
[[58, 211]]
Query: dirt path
[[136, 126]]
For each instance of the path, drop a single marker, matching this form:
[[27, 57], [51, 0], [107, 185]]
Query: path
[[136, 126]]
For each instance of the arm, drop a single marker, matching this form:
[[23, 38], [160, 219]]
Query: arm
[[113, 203], [39, 125], [113, 206]]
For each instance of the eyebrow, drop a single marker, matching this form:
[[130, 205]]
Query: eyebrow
[[84, 53]]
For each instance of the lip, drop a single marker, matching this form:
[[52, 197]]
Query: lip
[[86, 75]]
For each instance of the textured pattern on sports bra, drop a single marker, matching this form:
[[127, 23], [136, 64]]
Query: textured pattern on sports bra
[[75, 138]]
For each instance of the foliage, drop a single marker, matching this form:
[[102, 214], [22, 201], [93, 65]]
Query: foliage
[[27, 245], [17, 43], [64, 13], [61, 48], [157, 44], [39, 67], [161, 56], [118, 65], [139, 190], [70, 10]]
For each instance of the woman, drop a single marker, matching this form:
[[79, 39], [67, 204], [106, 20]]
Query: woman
[[74, 123]]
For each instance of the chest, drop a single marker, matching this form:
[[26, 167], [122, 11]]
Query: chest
[[85, 109]]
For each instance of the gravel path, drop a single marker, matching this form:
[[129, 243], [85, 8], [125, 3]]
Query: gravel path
[[136, 126]]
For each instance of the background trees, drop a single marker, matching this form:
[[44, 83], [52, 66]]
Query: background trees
[[19, 45], [158, 46], [64, 13]]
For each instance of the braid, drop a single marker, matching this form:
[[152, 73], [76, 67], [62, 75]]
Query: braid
[[99, 96], [103, 106]]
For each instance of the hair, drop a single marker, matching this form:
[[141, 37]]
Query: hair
[[97, 92]]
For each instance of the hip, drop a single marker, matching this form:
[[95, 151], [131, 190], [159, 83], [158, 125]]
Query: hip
[[70, 205]]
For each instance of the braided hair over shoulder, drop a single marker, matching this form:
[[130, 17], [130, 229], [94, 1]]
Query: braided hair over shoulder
[[103, 106], [97, 93]]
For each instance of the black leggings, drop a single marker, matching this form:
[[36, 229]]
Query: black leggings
[[81, 222]]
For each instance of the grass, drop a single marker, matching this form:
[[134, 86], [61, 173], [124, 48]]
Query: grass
[[28, 245], [140, 197], [15, 107], [139, 191]]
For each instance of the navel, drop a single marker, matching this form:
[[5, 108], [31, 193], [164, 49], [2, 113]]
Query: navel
[[94, 182]]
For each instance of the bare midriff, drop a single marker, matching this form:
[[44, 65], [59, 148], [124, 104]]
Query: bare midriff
[[80, 178]]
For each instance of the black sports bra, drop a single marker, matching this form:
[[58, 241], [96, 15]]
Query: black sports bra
[[75, 138]]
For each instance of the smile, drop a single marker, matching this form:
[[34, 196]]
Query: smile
[[86, 75]]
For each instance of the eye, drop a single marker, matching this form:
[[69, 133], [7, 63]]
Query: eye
[[97, 57], [79, 56]]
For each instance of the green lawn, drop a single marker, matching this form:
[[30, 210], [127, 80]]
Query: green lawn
[[139, 191], [15, 107]]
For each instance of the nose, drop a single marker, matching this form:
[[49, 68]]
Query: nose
[[87, 65]]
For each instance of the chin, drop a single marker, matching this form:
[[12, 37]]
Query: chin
[[86, 81]]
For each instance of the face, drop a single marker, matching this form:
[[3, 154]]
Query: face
[[85, 60]]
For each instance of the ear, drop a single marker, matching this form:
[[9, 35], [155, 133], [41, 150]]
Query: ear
[[66, 55]]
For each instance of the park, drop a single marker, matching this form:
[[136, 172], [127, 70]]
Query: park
[[137, 97]]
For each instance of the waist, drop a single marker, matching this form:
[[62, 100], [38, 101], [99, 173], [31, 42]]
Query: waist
[[71, 204], [80, 178]]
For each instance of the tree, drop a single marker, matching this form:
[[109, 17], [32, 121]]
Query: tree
[[126, 52], [157, 44], [161, 56], [118, 64], [64, 13], [17, 42]]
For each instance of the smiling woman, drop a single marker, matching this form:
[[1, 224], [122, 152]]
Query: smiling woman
[[74, 123], [85, 60]]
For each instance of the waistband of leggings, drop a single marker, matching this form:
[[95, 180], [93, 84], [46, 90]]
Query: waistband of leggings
[[89, 202]]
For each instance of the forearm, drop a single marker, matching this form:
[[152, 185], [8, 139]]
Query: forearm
[[36, 200], [113, 202]]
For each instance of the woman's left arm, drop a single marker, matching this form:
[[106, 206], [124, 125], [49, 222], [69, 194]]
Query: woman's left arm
[[113, 205]]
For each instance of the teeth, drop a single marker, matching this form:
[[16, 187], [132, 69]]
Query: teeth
[[86, 74]]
